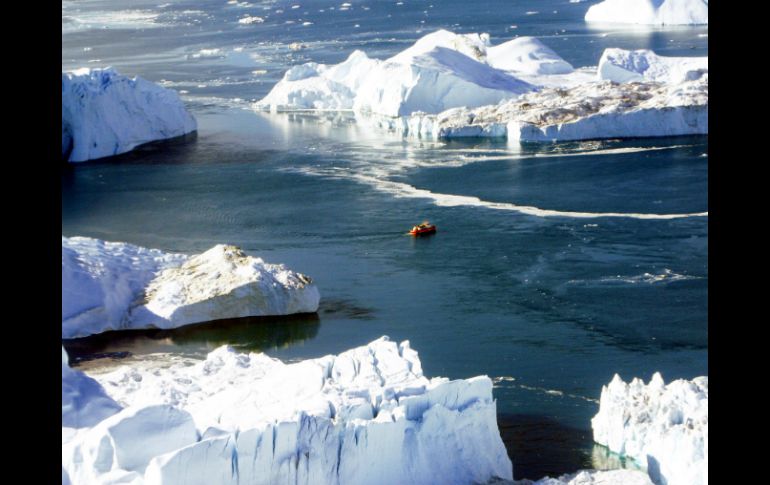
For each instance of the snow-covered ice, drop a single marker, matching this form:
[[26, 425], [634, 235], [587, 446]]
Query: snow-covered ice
[[84, 402], [119, 286], [367, 415], [105, 113], [621, 65], [527, 55], [650, 12], [589, 477], [587, 111], [664, 427]]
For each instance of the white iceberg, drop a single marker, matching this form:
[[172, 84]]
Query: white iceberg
[[440, 71], [621, 66], [662, 427], [318, 86], [432, 82], [587, 111], [105, 114], [650, 12], [368, 415], [119, 286]]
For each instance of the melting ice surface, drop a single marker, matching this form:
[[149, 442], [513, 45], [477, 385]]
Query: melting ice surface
[[558, 304]]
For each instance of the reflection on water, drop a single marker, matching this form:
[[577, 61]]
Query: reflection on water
[[250, 334]]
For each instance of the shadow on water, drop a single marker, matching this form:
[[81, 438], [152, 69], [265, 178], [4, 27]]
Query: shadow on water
[[526, 437], [245, 334]]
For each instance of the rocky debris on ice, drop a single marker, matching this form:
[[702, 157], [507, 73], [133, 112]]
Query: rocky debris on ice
[[119, 286], [650, 12], [105, 114], [84, 402], [663, 427], [588, 111], [441, 70], [367, 415], [621, 66]]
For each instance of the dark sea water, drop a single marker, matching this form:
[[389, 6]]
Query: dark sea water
[[550, 307]]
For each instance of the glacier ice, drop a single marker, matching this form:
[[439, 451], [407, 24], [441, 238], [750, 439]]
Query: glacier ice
[[104, 113], [650, 12], [119, 286], [586, 111], [621, 65], [367, 415], [663, 427]]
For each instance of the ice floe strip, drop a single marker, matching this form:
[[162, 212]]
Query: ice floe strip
[[367, 415], [664, 427], [118, 286], [503, 380], [587, 477], [667, 276], [404, 190]]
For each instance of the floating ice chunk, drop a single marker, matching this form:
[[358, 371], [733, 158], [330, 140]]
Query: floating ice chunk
[[663, 427], [367, 415], [651, 12], [105, 114], [118, 286], [249, 19], [620, 65]]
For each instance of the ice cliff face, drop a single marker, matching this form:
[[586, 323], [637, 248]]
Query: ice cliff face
[[367, 415], [119, 286], [105, 114], [663, 427], [650, 12]]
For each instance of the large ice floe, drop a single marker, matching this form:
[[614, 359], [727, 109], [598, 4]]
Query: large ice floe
[[451, 85], [663, 427], [119, 286], [104, 113], [650, 12], [621, 65], [367, 415], [587, 111]]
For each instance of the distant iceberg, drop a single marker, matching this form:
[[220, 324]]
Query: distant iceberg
[[621, 66], [663, 427], [367, 415], [105, 114], [119, 286], [650, 12]]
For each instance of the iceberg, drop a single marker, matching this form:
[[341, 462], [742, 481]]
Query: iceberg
[[104, 113], [583, 112], [527, 55], [441, 70], [118, 286], [663, 427], [367, 415], [650, 12], [621, 66]]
